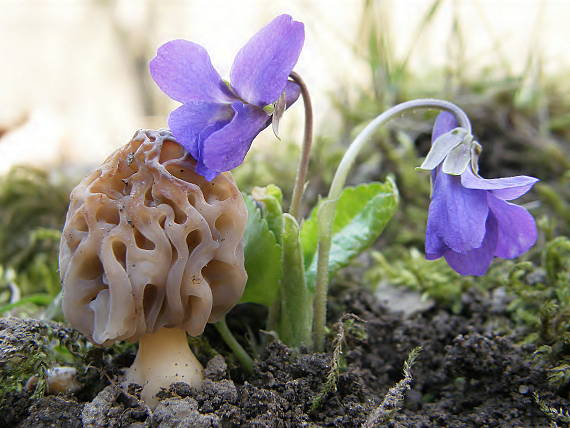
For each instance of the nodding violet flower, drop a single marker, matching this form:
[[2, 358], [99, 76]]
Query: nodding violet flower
[[469, 220], [218, 120]]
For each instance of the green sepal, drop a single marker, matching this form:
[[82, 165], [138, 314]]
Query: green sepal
[[442, 146], [459, 157]]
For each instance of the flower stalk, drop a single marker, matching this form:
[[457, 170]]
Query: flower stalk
[[327, 213], [299, 187]]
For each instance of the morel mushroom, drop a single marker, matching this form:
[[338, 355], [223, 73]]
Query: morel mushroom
[[150, 251]]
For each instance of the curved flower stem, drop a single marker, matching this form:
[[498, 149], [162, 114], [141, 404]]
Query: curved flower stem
[[299, 186], [328, 208], [241, 354]]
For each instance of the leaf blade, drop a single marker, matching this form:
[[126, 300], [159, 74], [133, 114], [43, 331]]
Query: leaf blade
[[362, 213], [262, 258]]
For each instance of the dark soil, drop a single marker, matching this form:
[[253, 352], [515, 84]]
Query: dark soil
[[469, 374]]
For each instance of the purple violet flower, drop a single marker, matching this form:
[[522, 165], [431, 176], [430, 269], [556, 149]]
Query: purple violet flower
[[218, 121], [469, 220]]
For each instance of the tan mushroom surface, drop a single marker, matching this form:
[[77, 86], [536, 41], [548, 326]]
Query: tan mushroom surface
[[149, 243]]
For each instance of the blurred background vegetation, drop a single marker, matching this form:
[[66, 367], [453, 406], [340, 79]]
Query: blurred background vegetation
[[518, 102]]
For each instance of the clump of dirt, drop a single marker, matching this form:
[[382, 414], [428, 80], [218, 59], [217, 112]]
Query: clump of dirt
[[53, 411], [470, 373], [467, 375]]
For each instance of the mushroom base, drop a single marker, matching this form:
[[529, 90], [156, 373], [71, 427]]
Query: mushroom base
[[163, 358]]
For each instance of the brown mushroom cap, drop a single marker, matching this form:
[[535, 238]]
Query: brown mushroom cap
[[148, 243]]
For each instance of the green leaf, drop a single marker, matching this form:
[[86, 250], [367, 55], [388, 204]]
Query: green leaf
[[362, 212], [262, 258]]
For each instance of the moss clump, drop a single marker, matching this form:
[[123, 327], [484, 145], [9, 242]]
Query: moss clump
[[542, 305], [33, 210], [30, 347], [30, 199]]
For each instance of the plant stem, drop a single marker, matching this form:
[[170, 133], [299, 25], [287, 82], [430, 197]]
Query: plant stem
[[273, 315], [326, 216], [303, 166], [241, 354], [322, 277]]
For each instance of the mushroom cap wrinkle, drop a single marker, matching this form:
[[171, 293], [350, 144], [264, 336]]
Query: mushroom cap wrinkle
[[149, 243]]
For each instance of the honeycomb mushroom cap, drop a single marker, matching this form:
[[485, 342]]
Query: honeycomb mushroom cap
[[148, 243]]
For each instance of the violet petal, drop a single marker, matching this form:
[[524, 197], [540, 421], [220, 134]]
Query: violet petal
[[193, 120], [183, 71], [477, 261], [261, 68], [444, 122], [516, 228], [205, 172], [434, 245], [457, 215], [226, 148], [504, 188], [292, 92]]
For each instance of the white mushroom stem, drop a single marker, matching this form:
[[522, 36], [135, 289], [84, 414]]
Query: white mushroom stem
[[164, 358]]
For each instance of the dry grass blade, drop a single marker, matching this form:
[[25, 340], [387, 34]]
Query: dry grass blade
[[343, 326], [553, 414], [395, 396]]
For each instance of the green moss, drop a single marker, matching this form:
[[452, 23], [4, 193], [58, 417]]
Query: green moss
[[33, 212], [30, 200], [553, 414], [433, 279], [542, 305], [29, 347]]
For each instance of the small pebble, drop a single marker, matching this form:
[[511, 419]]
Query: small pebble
[[60, 380]]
